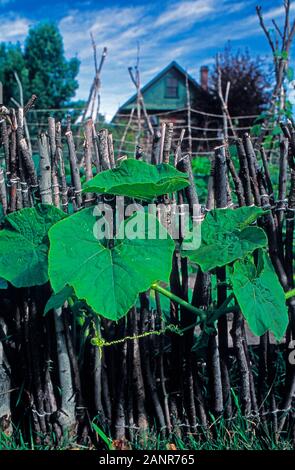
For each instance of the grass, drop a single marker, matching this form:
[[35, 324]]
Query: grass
[[240, 435], [235, 434]]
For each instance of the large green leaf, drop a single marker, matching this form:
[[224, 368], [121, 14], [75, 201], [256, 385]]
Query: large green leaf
[[107, 278], [3, 283], [260, 295], [226, 236], [138, 179], [57, 300], [24, 245]]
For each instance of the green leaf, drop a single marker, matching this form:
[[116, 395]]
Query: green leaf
[[281, 55], [57, 300], [256, 130], [267, 143], [284, 55], [261, 117], [108, 279], [138, 179], [200, 344], [226, 236], [276, 130], [3, 283], [103, 436], [290, 74], [260, 295], [24, 245], [201, 165]]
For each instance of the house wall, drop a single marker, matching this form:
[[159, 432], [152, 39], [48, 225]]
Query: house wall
[[154, 96]]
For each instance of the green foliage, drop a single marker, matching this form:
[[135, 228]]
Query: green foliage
[[138, 179], [260, 295], [24, 245], [201, 166], [229, 434], [51, 76], [108, 278], [57, 300], [267, 142], [290, 74], [3, 283], [281, 55], [12, 60], [234, 156], [41, 67], [226, 236], [276, 130], [200, 345], [201, 170], [103, 436], [201, 183], [256, 130]]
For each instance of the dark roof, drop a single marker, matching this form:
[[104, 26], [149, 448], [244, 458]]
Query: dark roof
[[173, 64]]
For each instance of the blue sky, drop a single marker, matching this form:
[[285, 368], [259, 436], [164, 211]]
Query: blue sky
[[189, 31]]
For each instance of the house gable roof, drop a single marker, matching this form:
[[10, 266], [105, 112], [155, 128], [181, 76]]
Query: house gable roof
[[157, 78]]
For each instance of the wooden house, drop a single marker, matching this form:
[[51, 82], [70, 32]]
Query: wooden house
[[167, 98]]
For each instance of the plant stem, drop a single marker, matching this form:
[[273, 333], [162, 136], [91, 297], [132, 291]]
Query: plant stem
[[180, 301], [290, 294], [215, 314]]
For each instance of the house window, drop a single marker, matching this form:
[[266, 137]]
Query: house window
[[171, 88]]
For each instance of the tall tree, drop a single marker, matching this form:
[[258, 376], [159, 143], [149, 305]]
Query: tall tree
[[51, 77], [12, 60], [41, 66]]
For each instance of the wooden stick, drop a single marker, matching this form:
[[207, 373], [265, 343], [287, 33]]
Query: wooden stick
[[162, 140], [167, 142], [244, 173], [220, 187], [88, 148], [13, 163], [236, 179], [3, 194], [111, 150], [103, 148], [76, 182], [45, 170], [53, 159], [61, 166], [251, 159], [125, 132]]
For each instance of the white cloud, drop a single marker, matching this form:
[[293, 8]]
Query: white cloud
[[186, 10], [13, 28], [181, 30], [163, 36], [237, 6]]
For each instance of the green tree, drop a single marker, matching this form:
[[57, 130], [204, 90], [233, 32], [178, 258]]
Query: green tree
[[12, 60], [41, 67], [51, 76]]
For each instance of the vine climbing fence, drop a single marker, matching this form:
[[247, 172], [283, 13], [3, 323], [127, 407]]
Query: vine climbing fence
[[66, 370]]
